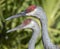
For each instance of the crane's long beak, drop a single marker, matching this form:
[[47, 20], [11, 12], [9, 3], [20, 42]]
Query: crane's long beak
[[17, 15], [16, 28], [22, 26]]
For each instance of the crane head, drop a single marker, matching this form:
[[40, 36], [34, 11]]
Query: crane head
[[27, 12], [28, 23], [31, 11]]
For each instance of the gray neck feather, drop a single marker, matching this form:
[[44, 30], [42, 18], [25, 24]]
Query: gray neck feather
[[34, 37], [45, 37]]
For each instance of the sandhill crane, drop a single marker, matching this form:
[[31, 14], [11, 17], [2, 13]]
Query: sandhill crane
[[29, 23], [38, 12]]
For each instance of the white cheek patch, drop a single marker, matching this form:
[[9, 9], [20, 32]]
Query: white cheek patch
[[31, 13]]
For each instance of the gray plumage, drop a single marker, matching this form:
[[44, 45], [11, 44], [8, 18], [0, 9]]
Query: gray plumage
[[40, 14], [36, 30]]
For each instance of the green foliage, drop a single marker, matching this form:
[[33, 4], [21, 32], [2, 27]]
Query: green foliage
[[19, 39]]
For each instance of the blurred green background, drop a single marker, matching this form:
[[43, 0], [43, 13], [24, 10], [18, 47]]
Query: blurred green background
[[19, 39]]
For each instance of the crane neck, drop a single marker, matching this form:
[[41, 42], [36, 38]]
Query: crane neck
[[45, 37], [36, 31]]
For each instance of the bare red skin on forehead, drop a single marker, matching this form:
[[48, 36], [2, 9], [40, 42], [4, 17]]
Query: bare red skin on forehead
[[30, 8], [26, 22]]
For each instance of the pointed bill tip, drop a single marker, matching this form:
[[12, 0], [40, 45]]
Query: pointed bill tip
[[9, 31], [16, 28], [16, 16], [8, 19]]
